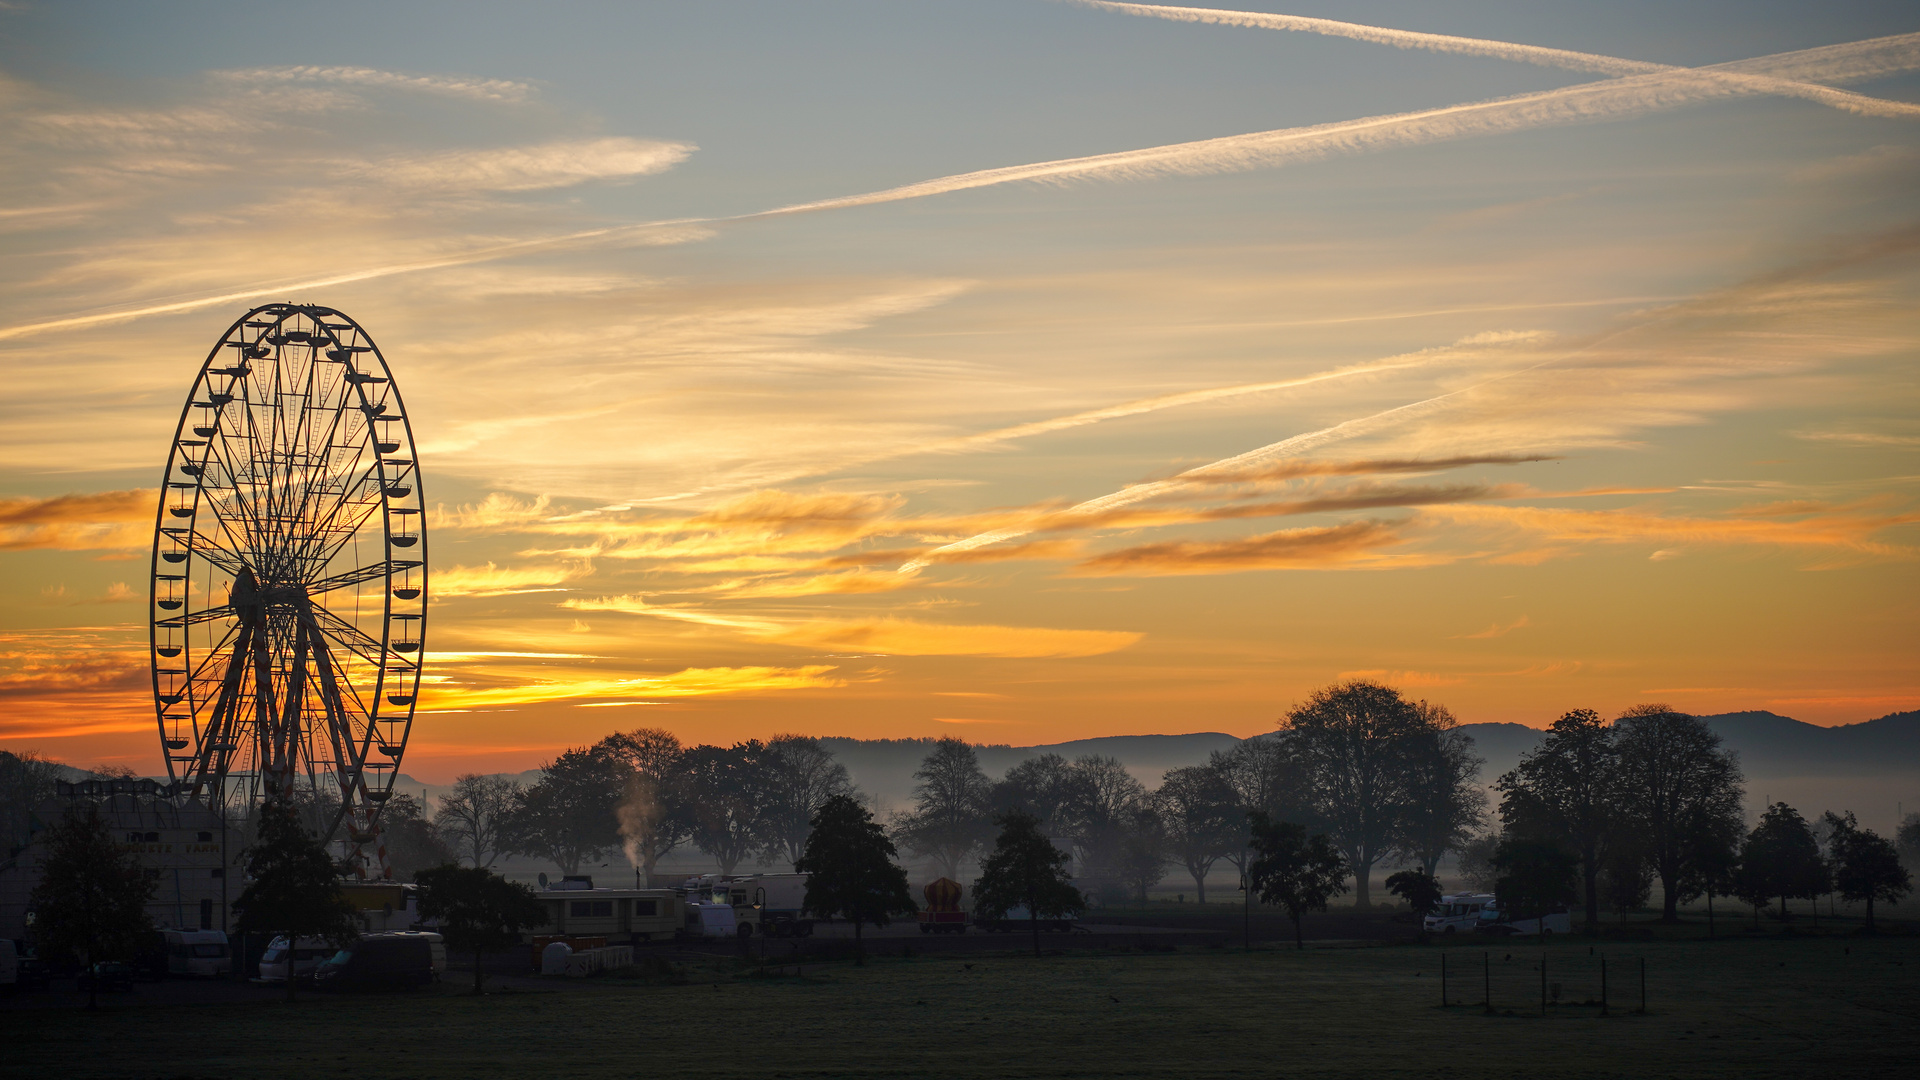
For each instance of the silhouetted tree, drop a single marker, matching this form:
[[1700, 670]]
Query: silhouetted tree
[[1293, 870], [1672, 772], [1567, 789], [1142, 860], [1265, 775], [1536, 876], [478, 909], [801, 776], [850, 868], [91, 902], [1444, 806], [1781, 859], [727, 792], [949, 821], [1866, 867], [1039, 786], [1103, 804], [1626, 878], [295, 889], [654, 814], [1026, 870], [412, 842], [1201, 815], [1418, 888], [26, 781], [1475, 861], [1906, 840], [1358, 741], [474, 816], [1711, 849], [568, 816]]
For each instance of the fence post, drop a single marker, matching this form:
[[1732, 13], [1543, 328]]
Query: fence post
[[1603, 984], [1543, 985], [1643, 986], [1443, 980], [1486, 980]]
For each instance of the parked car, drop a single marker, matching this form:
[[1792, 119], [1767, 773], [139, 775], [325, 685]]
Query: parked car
[[107, 976], [33, 973], [384, 962]]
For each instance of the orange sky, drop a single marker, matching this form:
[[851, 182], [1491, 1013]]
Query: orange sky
[[1517, 413]]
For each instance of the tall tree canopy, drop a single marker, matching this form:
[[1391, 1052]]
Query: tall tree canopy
[[1444, 804], [654, 815], [1358, 741], [1567, 790], [1866, 866], [295, 889], [1200, 813], [1293, 870], [850, 868], [1781, 859], [1536, 876], [801, 776], [1264, 774], [727, 796], [478, 909], [568, 816], [91, 902], [951, 799], [1672, 773]]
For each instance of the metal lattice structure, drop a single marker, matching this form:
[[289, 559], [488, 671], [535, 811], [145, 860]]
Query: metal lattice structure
[[289, 595]]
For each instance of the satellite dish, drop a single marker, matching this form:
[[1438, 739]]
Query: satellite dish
[[543, 880]]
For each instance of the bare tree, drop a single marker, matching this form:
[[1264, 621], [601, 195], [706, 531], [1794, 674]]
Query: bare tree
[[801, 776], [1103, 803], [1201, 815], [1673, 771], [473, 818], [948, 822], [653, 811]]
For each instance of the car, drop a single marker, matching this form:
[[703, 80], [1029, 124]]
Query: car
[[107, 977]]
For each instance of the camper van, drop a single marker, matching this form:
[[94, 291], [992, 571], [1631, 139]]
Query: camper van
[[1491, 921], [301, 958], [197, 952], [1458, 913], [624, 916]]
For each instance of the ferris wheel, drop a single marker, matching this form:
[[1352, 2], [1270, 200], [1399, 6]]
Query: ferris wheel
[[289, 600]]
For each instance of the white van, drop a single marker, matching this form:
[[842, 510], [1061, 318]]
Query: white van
[[304, 956], [198, 952], [1458, 913], [1491, 921], [711, 920]]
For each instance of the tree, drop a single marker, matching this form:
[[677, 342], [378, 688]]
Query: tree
[[1142, 860], [1358, 740], [1025, 869], [1866, 867], [295, 889], [1418, 888], [654, 814], [568, 817], [1780, 858], [951, 795], [850, 868], [1536, 876], [727, 800], [1444, 806], [1711, 846], [26, 781], [91, 902], [474, 817], [1040, 786], [801, 776], [1566, 789], [1907, 840], [412, 842], [1264, 774], [1201, 814], [1475, 861], [1104, 802], [477, 909], [1295, 871], [1672, 771]]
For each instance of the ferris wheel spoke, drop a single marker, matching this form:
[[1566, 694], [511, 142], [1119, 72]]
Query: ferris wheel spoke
[[361, 575], [356, 640]]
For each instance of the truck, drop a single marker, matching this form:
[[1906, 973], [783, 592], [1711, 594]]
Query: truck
[[1492, 921], [768, 904], [1458, 913], [942, 915]]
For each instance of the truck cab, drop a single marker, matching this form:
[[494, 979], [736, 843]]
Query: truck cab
[[1458, 913]]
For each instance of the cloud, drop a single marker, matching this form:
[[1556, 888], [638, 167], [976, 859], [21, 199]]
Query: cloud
[[1842, 532], [1495, 631], [1868, 439], [1507, 50], [105, 520], [502, 90], [689, 682], [905, 637], [491, 580], [1349, 546], [48, 676], [528, 168]]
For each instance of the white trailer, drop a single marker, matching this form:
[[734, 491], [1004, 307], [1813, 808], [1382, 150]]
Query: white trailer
[[1458, 913], [198, 952]]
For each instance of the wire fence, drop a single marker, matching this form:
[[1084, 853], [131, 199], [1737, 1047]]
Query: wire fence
[[1526, 979]]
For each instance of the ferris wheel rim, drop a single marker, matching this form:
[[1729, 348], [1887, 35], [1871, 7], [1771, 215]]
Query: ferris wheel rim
[[390, 702]]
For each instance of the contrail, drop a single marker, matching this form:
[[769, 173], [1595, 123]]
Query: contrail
[[1587, 102], [1505, 50]]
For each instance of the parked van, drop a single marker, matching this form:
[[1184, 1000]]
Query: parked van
[[385, 961], [197, 952], [1458, 913], [1491, 921], [302, 957]]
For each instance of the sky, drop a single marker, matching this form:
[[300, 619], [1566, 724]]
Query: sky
[[1021, 371]]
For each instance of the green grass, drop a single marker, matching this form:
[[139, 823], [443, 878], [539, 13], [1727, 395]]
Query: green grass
[[1750, 1008]]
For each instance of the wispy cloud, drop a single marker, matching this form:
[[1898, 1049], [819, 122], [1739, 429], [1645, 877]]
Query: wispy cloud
[[527, 168], [105, 520], [1354, 545], [502, 90]]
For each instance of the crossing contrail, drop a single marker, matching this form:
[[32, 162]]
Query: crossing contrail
[[1611, 99], [1506, 50]]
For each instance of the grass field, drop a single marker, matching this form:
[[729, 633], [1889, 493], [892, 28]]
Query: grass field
[[1778, 1006]]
